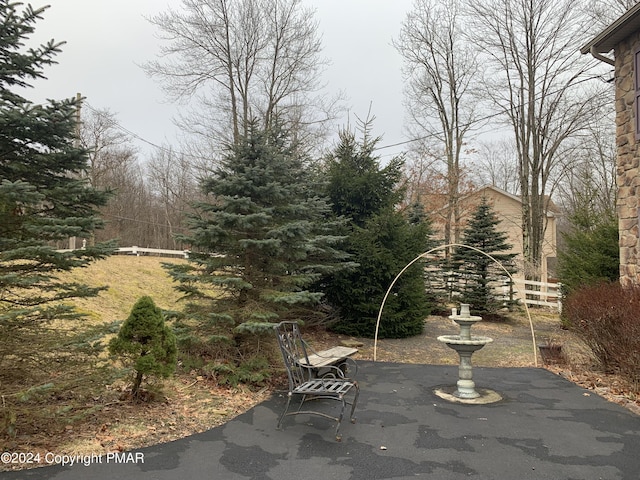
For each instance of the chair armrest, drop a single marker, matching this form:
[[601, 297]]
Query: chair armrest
[[350, 367], [331, 372]]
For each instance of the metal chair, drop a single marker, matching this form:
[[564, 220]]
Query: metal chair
[[303, 379]]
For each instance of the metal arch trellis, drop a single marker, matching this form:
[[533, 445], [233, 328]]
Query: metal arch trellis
[[422, 255]]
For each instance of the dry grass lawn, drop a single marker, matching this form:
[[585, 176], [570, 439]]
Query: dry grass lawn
[[128, 278]]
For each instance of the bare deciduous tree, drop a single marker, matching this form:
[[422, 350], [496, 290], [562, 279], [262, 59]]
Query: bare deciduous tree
[[107, 145], [418, 177], [171, 179], [128, 215], [496, 164], [241, 61], [532, 50], [604, 12], [588, 189], [439, 69], [114, 166]]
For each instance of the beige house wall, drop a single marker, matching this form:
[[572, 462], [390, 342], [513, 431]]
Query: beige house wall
[[628, 154]]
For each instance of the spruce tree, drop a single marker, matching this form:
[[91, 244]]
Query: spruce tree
[[479, 274], [260, 242], [145, 343], [44, 199], [382, 241], [358, 187]]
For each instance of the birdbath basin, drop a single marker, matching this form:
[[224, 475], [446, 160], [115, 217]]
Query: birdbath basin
[[465, 345], [459, 344]]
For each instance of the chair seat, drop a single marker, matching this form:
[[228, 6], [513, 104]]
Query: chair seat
[[331, 356], [324, 387]]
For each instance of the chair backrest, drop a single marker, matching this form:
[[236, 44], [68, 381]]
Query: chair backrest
[[293, 352]]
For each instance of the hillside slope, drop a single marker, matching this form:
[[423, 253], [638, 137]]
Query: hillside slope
[[128, 278]]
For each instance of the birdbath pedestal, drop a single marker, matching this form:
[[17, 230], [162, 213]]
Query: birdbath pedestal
[[465, 345]]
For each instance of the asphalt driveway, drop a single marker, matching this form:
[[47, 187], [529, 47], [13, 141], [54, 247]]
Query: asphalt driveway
[[544, 428]]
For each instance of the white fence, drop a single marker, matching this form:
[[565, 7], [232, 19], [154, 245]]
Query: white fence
[[137, 251], [543, 294], [158, 252]]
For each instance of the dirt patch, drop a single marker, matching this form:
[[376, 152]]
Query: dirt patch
[[190, 404], [513, 344]]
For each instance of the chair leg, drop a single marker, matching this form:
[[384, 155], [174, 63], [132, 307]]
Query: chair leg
[[344, 404], [353, 405], [303, 399], [286, 409]]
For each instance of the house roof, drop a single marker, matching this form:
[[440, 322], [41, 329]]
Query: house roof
[[622, 28], [499, 190], [552, 208]]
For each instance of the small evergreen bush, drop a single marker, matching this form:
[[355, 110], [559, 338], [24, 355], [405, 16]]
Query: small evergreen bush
[[145, 342], [605, 317]]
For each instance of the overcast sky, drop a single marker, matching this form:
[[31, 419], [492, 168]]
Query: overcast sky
[[107, 40]]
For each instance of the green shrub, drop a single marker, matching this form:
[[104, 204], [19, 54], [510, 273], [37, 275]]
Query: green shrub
[[253, 371], [591, 255], [605, 317], [145, 342], [386, 244]]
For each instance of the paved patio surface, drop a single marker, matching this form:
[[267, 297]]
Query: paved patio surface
[[544, 428]]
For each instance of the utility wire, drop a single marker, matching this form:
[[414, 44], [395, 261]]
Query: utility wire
[[383, 147], [136, 220], [119, 126], [156, 224], [484, 118]]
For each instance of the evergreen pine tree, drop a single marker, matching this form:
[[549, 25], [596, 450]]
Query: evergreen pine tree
[[43, 198], [263, 239], [146, 343], [478, 273], [358, 187], [382, 242], [591, 254]]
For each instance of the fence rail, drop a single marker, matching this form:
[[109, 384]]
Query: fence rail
[[542, 294], [159, 252], [546, 294]]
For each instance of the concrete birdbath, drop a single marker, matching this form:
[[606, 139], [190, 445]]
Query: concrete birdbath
[[465, 345]]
